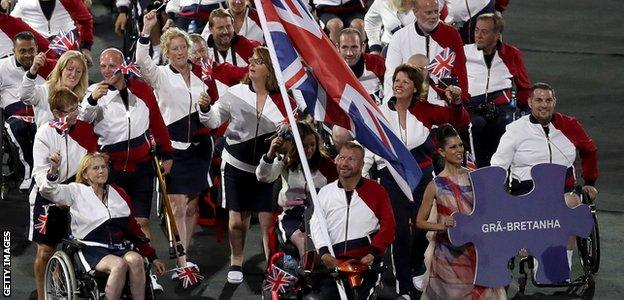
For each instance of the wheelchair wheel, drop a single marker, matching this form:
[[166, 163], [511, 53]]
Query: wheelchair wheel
[[589, 249], [59, 278]]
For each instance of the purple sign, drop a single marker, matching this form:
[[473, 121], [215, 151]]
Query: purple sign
[[501, 224]]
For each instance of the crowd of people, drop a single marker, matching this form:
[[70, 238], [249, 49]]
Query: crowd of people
[[207, 103]]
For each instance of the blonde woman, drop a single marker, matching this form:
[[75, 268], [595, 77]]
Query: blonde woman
[[102, 219], [70, 72], [385, 17], [178, 87]]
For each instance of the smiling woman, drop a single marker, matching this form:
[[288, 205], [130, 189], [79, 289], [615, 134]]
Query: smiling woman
[[70, 72]]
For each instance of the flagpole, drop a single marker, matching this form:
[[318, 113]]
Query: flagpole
[[291, 119]]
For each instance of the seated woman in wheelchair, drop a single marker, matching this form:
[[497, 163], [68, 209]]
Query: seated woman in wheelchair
[[283, 159], [102, 219]]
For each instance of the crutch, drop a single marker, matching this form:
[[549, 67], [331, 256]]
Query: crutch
[[176, 249]]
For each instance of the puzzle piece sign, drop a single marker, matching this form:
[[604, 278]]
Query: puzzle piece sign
[[501, 224]]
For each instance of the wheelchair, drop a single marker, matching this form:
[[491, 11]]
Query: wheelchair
[[589, 254], [65, 279]]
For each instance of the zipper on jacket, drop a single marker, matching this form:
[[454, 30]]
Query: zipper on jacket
[[487, 81], [67, 158], [549, 148], [189, 116], [110, 217], [128, 141], [347, 222]]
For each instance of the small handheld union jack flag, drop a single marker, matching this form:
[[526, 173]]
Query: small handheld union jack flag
[[42, 221], [129, 69], [189, 276], [64, 42], [60, 124], [442, 64], [278, 280], [206, 69]]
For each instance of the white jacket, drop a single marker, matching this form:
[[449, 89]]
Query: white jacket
[[11, 77], [482, 80], [36, 95], [525, 145], [462, 10], [382, 20], [30, 12]]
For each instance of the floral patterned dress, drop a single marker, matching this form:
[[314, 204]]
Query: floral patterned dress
[[450, 269]]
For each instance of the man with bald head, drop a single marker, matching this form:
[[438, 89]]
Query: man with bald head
[[124, 114], [427, 36]]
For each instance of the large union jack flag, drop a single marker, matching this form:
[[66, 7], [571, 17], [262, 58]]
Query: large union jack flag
[[310, 64], [278, 280], [442, 64], [64, 42]]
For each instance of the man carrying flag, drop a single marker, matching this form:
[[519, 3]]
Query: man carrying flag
[[122, 110]]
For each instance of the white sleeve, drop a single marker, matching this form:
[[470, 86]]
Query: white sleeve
[[149, 69], [269, 172], [318, 224], [62, 194], [218, 114], [41, 153], [393, 60], [29, 92], [88, 112], [173, 6], [369, 160], [373, 23], [506, 150]]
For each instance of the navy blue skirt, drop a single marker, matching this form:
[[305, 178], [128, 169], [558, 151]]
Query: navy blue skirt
[[189, 173], [241, 191]]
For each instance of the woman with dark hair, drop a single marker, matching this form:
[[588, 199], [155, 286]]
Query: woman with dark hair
[[254, 110], [450, 269], [411, 120], [283, 159]]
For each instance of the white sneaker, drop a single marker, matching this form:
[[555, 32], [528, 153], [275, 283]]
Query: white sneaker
[[235, 275], [25, 185], [418, 282], [155, 285]]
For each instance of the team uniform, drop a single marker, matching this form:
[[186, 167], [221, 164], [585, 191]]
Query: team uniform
[[251, 28], [417, 137], [354, 224], [244, 145], [18, 115], [36, 95], [463, 14], [382, 21], [104, 228], [51, 17], [293, 196], [411, 40], [369, 71], [491, 79], [49, 223], [527, 143], [123, 121], [178, 104], [11, 26]]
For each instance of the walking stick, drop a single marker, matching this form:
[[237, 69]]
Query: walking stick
[[176, 249]]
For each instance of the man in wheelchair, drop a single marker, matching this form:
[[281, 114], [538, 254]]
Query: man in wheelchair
[[102, 220], [546, 136]]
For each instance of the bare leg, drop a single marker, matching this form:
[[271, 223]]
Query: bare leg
[[178, 205], [298, 239], [44, 252], [192, 210], [238, 226], [136, 274], [144, 223], [266, 220], [117, 268]]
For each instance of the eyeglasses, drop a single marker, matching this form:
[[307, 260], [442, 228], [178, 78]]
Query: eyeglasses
[[256, 61], [71, 110]]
